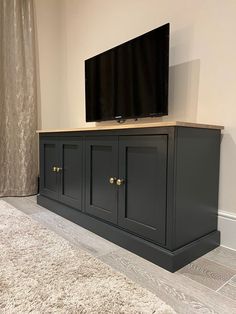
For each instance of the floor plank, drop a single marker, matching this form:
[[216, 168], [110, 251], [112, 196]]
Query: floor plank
[[183, 294], [32, 198], [223, 256], [77, 235], [208, 273], [229, 289], [25, 204]]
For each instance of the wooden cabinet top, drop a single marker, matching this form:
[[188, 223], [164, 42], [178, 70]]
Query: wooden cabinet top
[[135, 126]]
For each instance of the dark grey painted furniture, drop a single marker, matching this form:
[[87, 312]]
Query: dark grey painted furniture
[[153, 191]]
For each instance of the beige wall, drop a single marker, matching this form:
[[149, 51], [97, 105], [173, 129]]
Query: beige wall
[[51, 50], [202, 61]]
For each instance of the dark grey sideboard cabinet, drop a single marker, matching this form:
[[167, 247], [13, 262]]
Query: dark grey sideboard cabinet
[[152, 190]]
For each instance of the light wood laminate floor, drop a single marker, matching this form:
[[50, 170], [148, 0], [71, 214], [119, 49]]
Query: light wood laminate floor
[[208, 285]]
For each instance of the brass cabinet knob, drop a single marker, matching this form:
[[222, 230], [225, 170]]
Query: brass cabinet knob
[[112, 180], [54, 169], [120, 181], [59, 169]]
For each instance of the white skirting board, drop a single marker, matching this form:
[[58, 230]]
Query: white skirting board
[[227, 227]]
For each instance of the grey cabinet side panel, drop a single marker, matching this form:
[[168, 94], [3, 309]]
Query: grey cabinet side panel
[[196, 183]]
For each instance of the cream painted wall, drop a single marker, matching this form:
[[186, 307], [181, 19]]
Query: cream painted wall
[[202, 61], [51, 54]]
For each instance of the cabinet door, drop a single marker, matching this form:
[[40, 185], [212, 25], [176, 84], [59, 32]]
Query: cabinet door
[[142, 196], [71, 174], [49, 158], [101, 165]]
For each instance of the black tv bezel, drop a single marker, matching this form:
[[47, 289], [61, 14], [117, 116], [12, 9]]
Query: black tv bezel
[[133, 117]]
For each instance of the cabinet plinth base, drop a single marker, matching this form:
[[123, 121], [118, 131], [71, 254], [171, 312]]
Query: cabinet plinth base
[[170, 260]]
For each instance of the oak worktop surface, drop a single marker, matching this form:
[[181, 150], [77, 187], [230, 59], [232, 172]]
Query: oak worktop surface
[[135, 126]]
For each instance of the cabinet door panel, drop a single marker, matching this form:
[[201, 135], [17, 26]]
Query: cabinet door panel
[[101, 165], [72, 173], [142, 197], [49, 158]]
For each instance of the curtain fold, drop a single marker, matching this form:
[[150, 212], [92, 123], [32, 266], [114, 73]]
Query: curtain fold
[[18, 99]]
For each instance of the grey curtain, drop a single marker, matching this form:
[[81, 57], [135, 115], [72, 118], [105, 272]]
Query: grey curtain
[[18, 99]]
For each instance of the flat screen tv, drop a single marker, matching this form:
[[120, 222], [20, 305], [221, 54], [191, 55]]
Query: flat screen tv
[[129, 80]]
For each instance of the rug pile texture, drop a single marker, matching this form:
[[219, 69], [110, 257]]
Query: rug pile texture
[[40, 272]]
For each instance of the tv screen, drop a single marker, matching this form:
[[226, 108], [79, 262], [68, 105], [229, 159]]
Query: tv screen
[[130, 80]]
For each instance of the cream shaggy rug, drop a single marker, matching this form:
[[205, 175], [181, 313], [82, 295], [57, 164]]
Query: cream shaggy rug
[[41, 272]]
